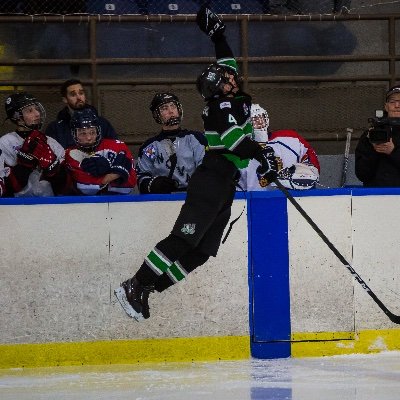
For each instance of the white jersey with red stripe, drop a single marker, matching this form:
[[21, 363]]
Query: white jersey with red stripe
[[290, 148], [10, 143], [83, 183]]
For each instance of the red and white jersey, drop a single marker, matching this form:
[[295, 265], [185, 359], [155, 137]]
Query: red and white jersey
[[36, 186], [290, 148], [83, 182]]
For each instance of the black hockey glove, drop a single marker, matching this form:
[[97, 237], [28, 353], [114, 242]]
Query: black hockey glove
[[162, 185], [26, 159], [210, 23], [268, 170], [122, 166], [52, 169], [96, 165]]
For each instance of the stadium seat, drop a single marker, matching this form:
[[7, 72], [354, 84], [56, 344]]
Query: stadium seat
[[114, 7], [237, 6], [173, 7]]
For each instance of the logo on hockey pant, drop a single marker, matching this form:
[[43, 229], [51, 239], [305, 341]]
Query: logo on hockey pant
[[188, 229]]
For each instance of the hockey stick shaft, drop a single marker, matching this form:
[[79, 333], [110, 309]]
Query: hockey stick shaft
[[346, 157], [393, 317]]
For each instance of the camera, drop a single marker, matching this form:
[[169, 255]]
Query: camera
[[381, 127]]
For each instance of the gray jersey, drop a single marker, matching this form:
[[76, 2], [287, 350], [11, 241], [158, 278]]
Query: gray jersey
[[156, 157]]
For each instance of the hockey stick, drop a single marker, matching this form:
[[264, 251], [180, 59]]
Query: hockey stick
[[346, 157], [170, 149], [393, 317]]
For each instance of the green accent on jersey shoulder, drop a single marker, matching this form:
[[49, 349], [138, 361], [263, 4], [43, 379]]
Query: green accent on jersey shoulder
[[214, 140], [234, 135], [230, 138], [248, 128], [228, 62]]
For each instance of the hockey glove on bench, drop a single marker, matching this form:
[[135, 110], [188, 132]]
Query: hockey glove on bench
[[36, 152], [268, 170], [122, 166], [162, 185], [96, 165], [299, 176]]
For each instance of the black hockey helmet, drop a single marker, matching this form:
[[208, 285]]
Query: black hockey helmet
[[85, 118], [164, 98], [16, 102], [211, 81]]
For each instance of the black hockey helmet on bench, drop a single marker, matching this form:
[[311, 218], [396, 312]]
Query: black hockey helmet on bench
[[85, 118], [16, 102], [211, 81], [164, 98]]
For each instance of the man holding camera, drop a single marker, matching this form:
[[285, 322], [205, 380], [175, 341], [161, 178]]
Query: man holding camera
[[377, 155]]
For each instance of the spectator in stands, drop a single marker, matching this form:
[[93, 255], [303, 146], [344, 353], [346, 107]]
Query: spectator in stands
[[297, 161], [96, 165], [167, 161], [73, 95], [32, 161], [377, 155]]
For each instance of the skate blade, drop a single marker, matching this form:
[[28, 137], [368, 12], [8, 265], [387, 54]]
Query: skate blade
[[121, 296]]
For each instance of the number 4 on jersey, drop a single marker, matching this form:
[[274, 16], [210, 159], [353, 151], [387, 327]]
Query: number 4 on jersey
[[232, 119]]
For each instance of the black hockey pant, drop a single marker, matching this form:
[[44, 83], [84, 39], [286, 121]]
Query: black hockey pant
[[199, 227]]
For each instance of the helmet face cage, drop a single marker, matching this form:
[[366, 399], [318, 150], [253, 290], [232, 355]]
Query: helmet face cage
[[85, 118], [164, 98], [211, 81], [14, 105], [259, 117]]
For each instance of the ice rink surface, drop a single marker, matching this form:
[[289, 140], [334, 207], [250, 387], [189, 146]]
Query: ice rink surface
[[355, 377]]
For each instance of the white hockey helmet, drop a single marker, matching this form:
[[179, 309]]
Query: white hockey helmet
[[260, 121]]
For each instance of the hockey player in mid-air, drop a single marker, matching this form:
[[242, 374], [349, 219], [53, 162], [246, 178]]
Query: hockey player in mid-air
[[298, 165], [199, 227]]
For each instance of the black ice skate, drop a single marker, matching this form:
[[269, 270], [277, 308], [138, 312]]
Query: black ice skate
[[134, 298]]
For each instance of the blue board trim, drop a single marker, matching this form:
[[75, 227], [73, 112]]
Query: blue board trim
[[269, 277], [99, 199]]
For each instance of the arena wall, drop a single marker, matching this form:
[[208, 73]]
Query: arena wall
[[274, 290]]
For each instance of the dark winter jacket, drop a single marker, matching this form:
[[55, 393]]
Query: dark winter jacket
[[60, 129], [376, 169]]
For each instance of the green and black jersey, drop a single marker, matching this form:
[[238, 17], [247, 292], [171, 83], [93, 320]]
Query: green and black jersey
[[227, 121], [226, 124]]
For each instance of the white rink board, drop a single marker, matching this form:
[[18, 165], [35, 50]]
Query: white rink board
[[213, 301], [376, 226], [54, 270], [321, 288], [61, 262]]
